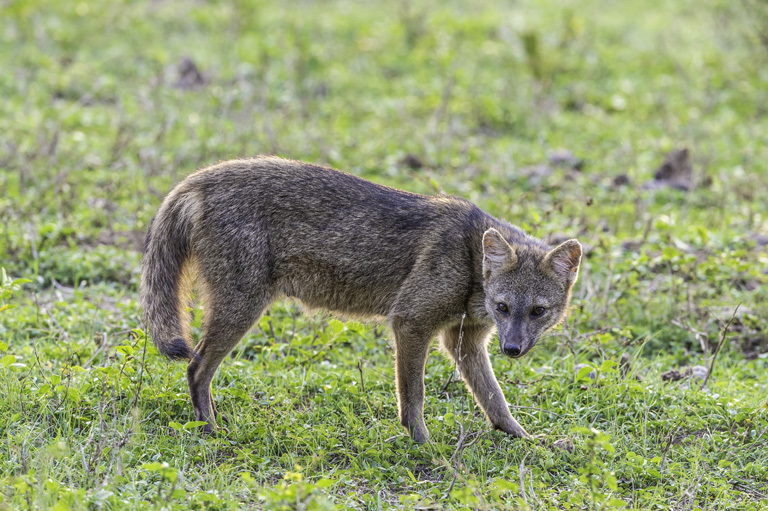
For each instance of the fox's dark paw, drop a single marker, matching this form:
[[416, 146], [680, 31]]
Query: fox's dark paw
[[514, 431], [215, 431], [420, 437], [417, 431]]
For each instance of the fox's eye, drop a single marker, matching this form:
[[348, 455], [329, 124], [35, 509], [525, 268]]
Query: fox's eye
[[538, 311], [502, 307]]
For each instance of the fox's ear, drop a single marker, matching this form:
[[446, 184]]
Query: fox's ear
[[564, 260], [497, 253]]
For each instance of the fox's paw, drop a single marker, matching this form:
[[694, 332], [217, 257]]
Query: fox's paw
[[417, 429], [216, 431], [213, 430], [420, 436], [514, 430]]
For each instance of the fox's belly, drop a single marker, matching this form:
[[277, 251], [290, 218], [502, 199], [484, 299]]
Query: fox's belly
[[361, 291]]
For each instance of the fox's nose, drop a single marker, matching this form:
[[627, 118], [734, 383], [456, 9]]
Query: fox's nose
[[511, 349]]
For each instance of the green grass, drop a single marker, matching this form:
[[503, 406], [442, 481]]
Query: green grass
[[96, 129]]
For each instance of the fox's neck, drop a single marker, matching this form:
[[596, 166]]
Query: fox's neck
[[475, 303]]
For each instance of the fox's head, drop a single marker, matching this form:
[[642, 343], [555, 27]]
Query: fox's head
[[527, 289]]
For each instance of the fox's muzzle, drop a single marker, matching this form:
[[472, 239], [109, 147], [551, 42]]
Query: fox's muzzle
[[511, 349], [512, 339]]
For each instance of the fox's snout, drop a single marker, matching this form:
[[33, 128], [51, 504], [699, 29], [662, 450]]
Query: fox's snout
[[515, 347], [511, 349]]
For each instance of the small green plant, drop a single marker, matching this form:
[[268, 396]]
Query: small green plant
[[7, 287], [595, 473], [295, 494]]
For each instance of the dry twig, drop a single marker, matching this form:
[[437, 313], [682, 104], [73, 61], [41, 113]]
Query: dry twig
[[723, 334]]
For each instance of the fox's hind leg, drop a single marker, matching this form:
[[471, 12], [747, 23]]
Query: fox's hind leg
[[228, 319], [232, 270]]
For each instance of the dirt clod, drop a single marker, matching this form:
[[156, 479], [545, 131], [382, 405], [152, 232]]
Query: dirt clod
[[412, 161], [621, 180], [190, 76], [761, 240], [565, 158]]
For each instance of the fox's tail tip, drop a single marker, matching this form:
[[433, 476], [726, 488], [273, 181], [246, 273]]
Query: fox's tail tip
[[178, 349]]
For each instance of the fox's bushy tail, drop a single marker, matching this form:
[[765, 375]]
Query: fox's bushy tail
[[168, 250]]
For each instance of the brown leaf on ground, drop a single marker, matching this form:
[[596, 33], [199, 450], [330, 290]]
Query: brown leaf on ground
[[697, 372], [675, 375], [675, 172], [564, 444]]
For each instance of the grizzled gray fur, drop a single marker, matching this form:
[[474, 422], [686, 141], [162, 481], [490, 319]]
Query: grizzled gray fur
[[247, 232]]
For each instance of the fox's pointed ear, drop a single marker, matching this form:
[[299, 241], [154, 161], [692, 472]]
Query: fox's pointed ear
[[563, 260], [497, 253]]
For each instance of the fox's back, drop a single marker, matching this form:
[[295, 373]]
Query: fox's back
[[334, 240]]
